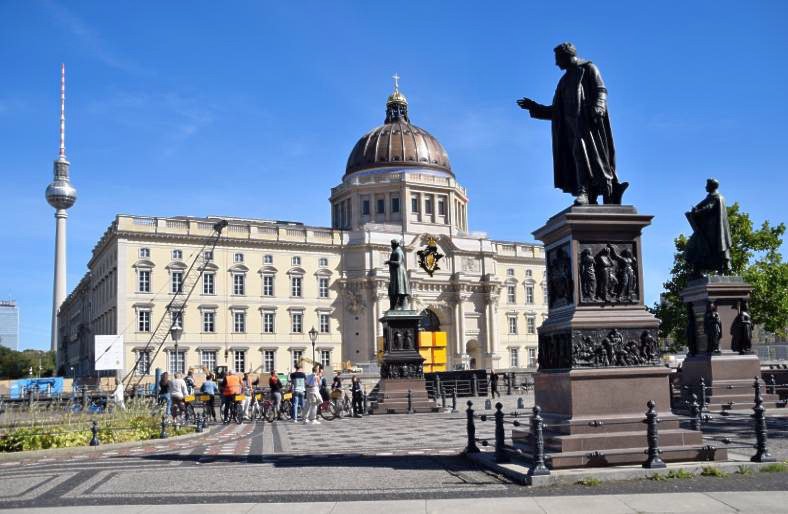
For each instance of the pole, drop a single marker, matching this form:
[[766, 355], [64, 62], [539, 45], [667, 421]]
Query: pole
[[471, 429], [653, 460], [762, 452], [537, 439], [500, 435]]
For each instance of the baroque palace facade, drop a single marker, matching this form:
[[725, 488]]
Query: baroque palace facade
[[249, 301]]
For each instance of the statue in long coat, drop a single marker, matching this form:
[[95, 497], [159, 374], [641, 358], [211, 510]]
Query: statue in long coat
[[399, 287], [709, 247]]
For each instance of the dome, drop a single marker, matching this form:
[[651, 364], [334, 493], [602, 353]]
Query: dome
[[398, 143]]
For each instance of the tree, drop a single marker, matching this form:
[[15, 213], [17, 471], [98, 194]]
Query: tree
[[755, 255], [14, 364]]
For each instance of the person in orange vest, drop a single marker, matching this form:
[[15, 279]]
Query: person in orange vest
[[232, 386]]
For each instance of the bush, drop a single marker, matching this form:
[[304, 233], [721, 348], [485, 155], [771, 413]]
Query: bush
[[711, 471]]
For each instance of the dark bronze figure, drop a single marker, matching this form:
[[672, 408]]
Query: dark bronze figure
[[712, 325], [583, 153], [741, 331], [627, 280], [399, 287], [608, 283], [709, 247], [587, 276]]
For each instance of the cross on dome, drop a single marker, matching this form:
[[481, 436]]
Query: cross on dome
[[396, 82]]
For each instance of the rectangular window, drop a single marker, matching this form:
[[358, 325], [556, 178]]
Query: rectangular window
[[325, 358], [268, 259], [296, 261], [208, 360], [530, 324], [414, 203], [297, 322], [322, 285], [208, 283], [395, 204], [143, 363], [177, 318], [325, 323], [529, 294], [322, 262], [532, 357], [144, 281], [177, 255], [428, 204], [177, 282], [238, 257], [143, 321], [544, 295], [177, 362], [268, 360], [239, 284], [381, 206], [514, 357], [511, 294], [295, 286], [209, 321], [207, 256], [144, 253], [512, 325], [268, 323], [441, 206], [365, 207], [297, 356], [268, 285], [239, 322], [239, 361]]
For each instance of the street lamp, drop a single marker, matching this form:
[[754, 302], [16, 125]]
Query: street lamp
[[313, 338], [176, 331]]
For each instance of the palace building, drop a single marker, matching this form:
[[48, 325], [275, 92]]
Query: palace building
[[249, 298]]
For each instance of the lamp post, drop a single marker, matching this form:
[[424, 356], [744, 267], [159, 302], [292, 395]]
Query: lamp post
[[176, 331], [313, 338]]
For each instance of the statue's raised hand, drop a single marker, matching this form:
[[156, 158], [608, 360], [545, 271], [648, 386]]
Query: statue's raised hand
[[526, 103]]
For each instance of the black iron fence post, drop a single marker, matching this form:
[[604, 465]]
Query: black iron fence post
[[163, 432], [94, 441], [702, 394], [410, 401], [438, 387], [454, 400], [500, 435], [759, 416], [510, 376], [364, 398], [538, 466], [475, 383], [471, 428], [443, 398], [653, 460], [772, 384], [695, 413]]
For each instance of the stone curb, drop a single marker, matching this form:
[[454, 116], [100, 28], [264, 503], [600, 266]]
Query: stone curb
[[51, 452], [518, 473]]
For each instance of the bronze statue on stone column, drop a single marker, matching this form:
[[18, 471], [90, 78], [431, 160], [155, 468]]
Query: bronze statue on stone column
[[709, 247], [712, 325], [399, 287], [741, 330], [584, 161]]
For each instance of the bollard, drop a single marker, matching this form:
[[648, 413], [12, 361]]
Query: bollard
[[520, 403], [471, 428], [94, 441], [488, 404], [475, 384], [653, 461], [772, 384], [702, 394], [510, 377], [454, 400], [538, 467], [410, 401], [163, 432], [443, 398], [500, 435], [695, 413], [759, 416]]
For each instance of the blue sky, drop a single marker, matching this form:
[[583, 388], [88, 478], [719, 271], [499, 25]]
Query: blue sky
[[250, 109]]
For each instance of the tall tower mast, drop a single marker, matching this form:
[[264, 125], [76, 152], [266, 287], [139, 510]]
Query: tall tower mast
[[61, 195]]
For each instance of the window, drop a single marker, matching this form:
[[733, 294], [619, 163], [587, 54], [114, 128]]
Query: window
[[176, 282], [177, 318], [381, 206], [395, 204], [144, 253], [208, 360], [143, 321], [239, 284], [177, 362], [297, 356], [238, 257], [208, 321], [532, 357], [322, 286], [529, 294], [428, 204], [365, 208], [529, 273], [512, 325], [239, 361], [514, 357], [207, 256], [295, 286], [297, 322], [208, 283], [268, 285], [544, 294], [325, 358], [177, 255], [268, 259], [414, 203], [322, 262], [268, 323], [530, 324], [325, 323], [239, 322], [268, 360], [510, 272], [143, 363], [441, 206], [296, 260], [143, 285], [511, 294]]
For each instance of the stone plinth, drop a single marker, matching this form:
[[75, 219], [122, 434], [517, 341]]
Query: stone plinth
[[726, 293]]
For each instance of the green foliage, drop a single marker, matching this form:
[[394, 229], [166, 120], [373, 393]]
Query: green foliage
[[711, 471], [775, 467], [15, 364], [589, 481], [755, 255], [743, 470], [673, 474]]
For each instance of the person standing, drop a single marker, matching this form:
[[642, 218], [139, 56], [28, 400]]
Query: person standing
[[355, 389], [210, 388], [232, 386], [298, 388], [164, 391], [178, 391], [313, 395], [190, 381], [276, 393], [494, 384]]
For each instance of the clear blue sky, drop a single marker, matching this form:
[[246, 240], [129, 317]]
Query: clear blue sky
[[250, 109]]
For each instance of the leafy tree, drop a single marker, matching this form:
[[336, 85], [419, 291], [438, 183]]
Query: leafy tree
[[755, 255], [14, 364]]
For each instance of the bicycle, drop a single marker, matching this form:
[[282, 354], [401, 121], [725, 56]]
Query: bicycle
[[342, 403], [328, 410], [238, 408], [254, 411]]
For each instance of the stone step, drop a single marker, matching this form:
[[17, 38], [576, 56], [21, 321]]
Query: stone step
[[613, 440], [624, 456]]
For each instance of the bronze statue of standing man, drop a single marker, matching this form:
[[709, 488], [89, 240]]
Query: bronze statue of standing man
[[399, 287], [583, 153]]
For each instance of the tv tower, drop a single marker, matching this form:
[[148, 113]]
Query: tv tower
[[61, 195]]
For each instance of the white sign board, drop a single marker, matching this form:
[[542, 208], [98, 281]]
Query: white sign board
[[109, 352]]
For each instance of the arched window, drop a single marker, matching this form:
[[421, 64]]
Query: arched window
[[429, 321]]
